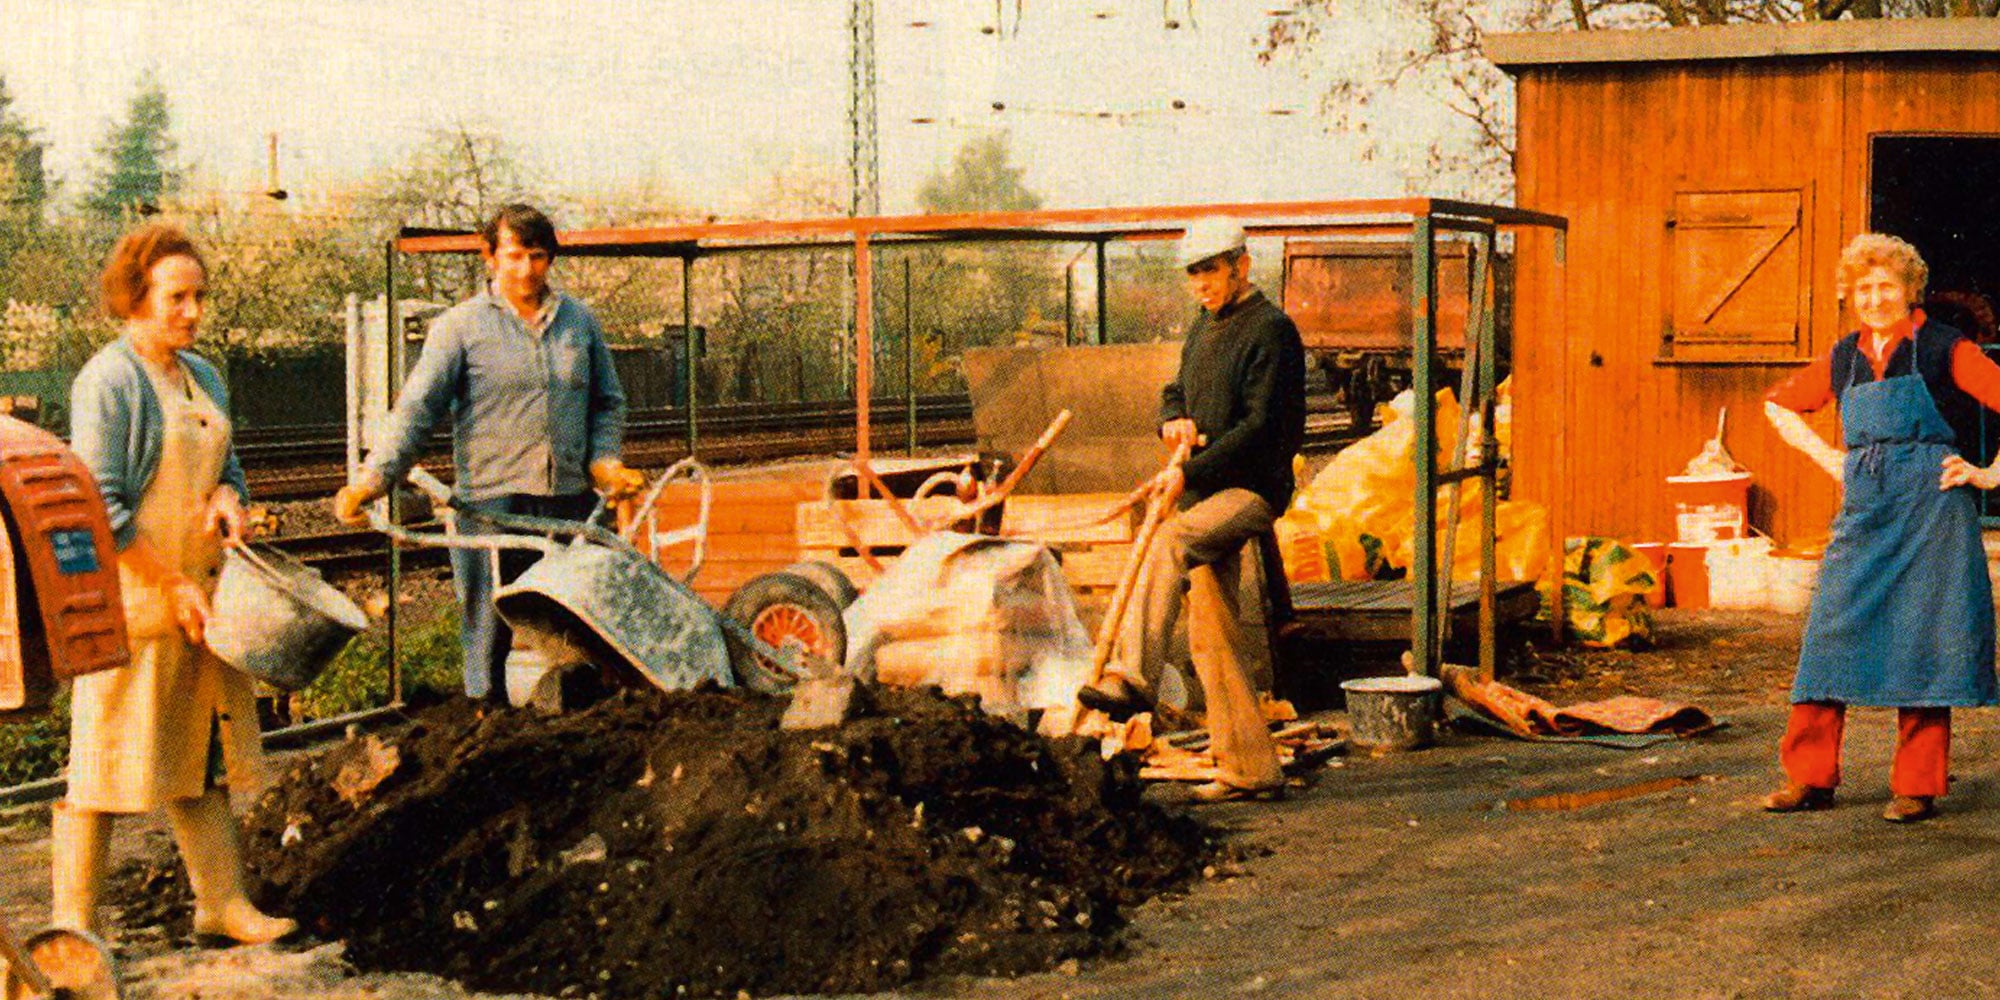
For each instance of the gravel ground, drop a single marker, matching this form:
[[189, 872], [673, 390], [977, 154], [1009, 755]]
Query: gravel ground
[[1406, 874]]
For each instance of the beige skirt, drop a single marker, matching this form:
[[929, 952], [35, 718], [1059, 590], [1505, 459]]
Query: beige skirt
[[141, 735]]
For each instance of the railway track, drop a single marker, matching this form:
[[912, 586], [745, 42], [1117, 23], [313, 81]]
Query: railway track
[[302, 462], [348, 551]]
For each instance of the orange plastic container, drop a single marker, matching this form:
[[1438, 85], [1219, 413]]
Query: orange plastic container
[[1687, 569], [1710, 508], [1655, 553]]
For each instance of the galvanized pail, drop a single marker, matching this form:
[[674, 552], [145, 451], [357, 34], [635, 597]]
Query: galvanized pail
[[1392, 713], [276, 619]]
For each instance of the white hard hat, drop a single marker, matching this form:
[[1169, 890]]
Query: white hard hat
[[1207, 237]]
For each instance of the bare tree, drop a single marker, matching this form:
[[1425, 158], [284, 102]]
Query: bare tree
[[1434, 57]]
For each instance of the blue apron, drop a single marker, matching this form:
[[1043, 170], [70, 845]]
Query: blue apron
[[1903, 614]]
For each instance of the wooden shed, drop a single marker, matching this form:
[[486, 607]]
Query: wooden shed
[[1710, 177]]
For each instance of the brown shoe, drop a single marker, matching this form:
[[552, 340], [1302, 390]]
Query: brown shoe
[[1910, 809], [1795, 797], [1217, 791]]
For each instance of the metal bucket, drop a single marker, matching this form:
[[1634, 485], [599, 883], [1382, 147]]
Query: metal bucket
[[276, 619], [1392, 713]]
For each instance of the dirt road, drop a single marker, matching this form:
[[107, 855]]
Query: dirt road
[[1407, 875]]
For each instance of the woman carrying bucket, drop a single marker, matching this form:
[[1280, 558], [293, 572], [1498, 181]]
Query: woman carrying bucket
[[149, 417], [1903, 614]]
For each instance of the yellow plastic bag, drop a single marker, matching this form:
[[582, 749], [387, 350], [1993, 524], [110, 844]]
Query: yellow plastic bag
[[1362, 501], [1604, 593]]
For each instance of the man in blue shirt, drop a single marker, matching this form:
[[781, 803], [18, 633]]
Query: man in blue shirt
[[537, 416]]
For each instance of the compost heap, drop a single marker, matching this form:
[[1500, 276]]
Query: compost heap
[[653, 844]]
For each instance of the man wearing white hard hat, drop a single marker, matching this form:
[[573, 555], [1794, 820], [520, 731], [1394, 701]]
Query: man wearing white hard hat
[[1239, 403]]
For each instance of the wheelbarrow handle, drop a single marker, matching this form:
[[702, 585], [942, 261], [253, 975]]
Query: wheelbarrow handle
[[454, 540], [529, 524], [432, 486], [647, 520]]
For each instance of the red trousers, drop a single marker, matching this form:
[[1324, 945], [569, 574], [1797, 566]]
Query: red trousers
[[1810, 750]]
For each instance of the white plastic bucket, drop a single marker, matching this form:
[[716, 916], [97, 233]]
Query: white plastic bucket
[[1739, 574], [1793, 575], [526, 666]]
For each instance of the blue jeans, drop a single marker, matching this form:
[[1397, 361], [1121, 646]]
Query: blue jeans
[[481, 632]]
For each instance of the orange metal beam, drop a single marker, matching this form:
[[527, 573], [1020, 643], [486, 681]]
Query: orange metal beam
[[834, 228]]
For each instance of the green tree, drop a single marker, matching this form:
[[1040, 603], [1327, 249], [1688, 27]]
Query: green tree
[[138, 167], [24, 186], [981, 179]]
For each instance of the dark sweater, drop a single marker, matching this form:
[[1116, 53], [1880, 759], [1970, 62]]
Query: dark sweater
[[1243, 382]]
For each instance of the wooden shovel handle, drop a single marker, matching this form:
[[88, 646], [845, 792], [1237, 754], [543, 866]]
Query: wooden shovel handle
[[1156, 512]]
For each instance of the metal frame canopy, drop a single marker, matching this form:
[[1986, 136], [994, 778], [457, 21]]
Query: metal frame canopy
[[1418, 219]]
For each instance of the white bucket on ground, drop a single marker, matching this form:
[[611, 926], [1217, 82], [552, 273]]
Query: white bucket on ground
[[1739, 574], [1793, 575], [525, 668]]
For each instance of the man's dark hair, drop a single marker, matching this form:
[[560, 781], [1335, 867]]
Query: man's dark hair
[[526, 222]]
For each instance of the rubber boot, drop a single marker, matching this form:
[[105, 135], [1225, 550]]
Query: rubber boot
[[79, 844], [206, 833]]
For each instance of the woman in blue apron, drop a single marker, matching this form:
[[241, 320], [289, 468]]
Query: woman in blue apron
[[1903, 613]]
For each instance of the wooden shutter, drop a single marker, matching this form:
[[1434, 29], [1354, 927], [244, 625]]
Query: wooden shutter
[[1737, 277]]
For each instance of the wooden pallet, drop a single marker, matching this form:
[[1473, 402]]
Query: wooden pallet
[[1092, 556], [1379, 610]]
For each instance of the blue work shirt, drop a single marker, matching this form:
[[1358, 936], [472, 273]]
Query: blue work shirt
[[532, 406]]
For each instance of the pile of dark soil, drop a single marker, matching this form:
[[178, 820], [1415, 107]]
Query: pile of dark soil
[[657, 844]]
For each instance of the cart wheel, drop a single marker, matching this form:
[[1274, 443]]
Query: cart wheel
[[784, 610], [78, 965], [829, 578]]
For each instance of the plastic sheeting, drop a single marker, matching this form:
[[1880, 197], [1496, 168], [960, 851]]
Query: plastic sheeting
[[1360, 506], [979, 615]]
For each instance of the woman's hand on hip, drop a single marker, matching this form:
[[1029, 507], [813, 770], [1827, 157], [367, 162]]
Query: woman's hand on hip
[[224, 515], [1959, 472]]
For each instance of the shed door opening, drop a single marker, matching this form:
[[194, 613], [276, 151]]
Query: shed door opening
[[1942, 194]]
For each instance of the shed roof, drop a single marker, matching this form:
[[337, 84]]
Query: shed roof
[[1516, 51]]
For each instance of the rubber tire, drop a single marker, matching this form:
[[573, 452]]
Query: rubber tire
[[830, 579], [73, 961], [791, 594]]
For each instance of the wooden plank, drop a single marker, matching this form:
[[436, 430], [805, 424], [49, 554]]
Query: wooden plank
[[819, 523], [736, 519], [1515, 51], [1057, 520], [1379, 610], [1097, 566]]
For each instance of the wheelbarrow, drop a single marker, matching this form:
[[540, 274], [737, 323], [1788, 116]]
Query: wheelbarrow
[[57, 965], [596, 597]]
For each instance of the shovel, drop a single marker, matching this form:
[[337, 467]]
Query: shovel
[[1121, 596]]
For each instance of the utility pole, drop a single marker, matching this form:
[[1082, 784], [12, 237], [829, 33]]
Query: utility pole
[[863, 162]]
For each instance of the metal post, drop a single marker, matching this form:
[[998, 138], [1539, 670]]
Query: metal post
[[864, 347], [1558, 522], [1423, 451], [690, 365], [909, 361], [1485, 271], [1069, 303], [392, 328], [1102, 319]]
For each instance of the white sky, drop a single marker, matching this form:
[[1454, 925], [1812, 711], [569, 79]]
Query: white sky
[[702, 97]]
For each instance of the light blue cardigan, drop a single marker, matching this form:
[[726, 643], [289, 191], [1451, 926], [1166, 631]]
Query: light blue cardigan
[[115, 424]]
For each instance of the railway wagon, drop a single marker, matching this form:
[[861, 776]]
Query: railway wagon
[[1351, 301]]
